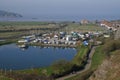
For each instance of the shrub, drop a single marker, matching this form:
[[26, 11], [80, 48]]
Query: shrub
[[111, 46], [61, 67]]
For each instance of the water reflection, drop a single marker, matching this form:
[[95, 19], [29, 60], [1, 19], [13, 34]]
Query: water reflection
[[23, 47], [14, 57]]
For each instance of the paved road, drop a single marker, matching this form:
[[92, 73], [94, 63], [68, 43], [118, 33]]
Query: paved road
[[85, 69]]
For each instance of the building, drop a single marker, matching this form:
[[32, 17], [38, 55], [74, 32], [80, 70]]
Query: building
[[84, 21], [108, 25], [68, 37]]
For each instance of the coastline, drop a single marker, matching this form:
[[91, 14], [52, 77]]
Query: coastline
[[52, 45]]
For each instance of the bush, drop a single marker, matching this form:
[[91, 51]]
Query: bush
[[61, 67], [111, 46]]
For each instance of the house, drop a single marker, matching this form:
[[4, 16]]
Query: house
[[68, 38], [106, 35], [23, 41], [84, 21], [56, 36], [108, 25], [62, 34]]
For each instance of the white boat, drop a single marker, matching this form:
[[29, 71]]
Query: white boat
[[23, 46]]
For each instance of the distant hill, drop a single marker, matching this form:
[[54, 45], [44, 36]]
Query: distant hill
[[5, 14]]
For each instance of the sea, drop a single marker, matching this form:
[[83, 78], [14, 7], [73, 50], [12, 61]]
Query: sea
[[61, 18]]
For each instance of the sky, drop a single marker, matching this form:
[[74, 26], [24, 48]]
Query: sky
[[85, 8]]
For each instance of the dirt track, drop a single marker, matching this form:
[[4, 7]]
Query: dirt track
[[85, 69]]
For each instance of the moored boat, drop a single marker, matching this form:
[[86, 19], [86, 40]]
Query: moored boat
[[23, 46]]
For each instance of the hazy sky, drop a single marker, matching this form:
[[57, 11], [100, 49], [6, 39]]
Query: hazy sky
[[62, 7]]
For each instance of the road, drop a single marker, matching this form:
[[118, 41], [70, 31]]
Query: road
[[87, 66]]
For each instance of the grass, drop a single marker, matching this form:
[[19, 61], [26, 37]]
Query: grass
[[84, 28], [22, 23], [31, 25], [25, 25], [17, 29], [4, 78], [8, 41], [9, 34], [80, 56], [40, 71], [98, 57]]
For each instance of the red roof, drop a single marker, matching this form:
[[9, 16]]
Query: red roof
[[107, 23]]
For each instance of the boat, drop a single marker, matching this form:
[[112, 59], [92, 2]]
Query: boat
[[23, 46]]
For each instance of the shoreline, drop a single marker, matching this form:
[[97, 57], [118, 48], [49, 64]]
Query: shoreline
[[53, 45]]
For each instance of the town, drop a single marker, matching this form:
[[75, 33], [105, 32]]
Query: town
[[67, 39]]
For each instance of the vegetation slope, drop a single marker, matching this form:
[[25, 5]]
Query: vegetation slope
[[109, 69]]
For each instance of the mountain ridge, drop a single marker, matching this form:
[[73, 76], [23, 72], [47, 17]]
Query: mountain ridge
[[6, 14]]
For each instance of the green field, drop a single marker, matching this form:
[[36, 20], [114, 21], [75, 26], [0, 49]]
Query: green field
[[12, 23], [68, 27], [83, 28], [13, 29], [9, 34], [8, 41], [25, 25], [81, 55], [98, 57]]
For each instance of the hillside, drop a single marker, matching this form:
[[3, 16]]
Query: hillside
[[109, 69], [5, 14], [117, 36]]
